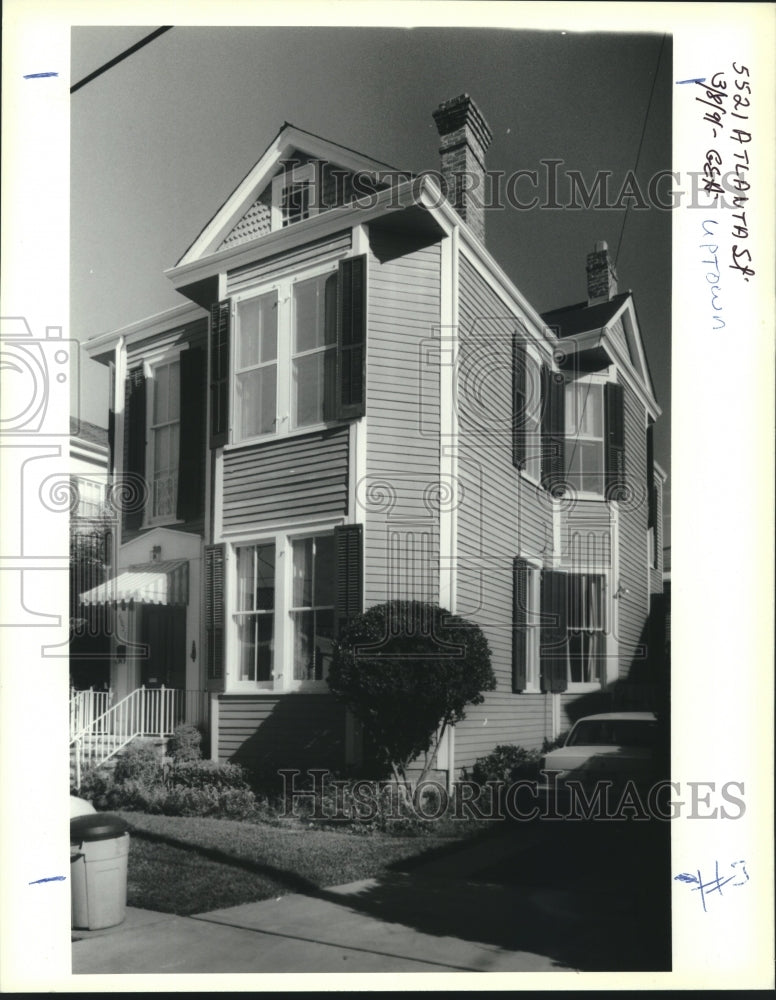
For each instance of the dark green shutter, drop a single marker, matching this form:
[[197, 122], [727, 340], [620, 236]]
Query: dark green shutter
[[215, 557], [553, 429], [348, 549], [520, 585], [191, 439], [351, 338], [519, 399], [220, 325], [615, 440], [554, 637], [134, 449]]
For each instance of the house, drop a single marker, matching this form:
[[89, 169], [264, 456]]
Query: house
[[354, 403], [91, 552]]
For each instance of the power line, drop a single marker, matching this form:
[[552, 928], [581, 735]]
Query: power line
[[117, 59], [641, 142]]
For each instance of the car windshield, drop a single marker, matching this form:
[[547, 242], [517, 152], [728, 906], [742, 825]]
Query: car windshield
[[613, 732]]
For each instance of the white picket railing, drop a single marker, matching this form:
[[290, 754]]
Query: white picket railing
[[85, 707], [144, 712]]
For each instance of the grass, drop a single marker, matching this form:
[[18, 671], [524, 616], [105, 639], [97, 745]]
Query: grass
[[187, 865]]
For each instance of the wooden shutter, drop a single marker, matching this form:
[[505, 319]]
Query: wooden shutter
[[554, 637], [615, 439], [134, 448], [348, 547], [215, 558], [553, 428], [351, 338], [220, 325], [519, 394], [521, 577], [191, 438]]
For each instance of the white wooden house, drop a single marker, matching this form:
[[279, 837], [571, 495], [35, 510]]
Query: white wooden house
[[355, 403]]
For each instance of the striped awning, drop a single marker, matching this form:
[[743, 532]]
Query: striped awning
[[147, 583]]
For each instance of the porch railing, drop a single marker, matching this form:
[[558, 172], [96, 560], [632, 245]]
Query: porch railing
[[85, 707], [144, 712]]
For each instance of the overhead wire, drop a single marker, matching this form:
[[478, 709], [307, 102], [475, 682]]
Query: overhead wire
[[119, 58]]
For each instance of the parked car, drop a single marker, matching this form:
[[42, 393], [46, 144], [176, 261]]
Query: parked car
[[614, 746]]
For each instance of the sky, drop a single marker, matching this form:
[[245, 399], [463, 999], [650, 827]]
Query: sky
[[160, 141]]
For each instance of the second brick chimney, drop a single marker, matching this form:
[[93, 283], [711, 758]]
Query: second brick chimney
[[601, 276], [465, 138]]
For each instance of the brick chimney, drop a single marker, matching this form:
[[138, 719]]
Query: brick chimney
[[601, 276], [465, 138]]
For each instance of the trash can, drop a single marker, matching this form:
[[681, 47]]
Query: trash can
[[99, 848]]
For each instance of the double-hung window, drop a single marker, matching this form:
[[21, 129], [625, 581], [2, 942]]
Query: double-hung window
[[256, 366], [586, 628], [287, 592], [312, 610], [314, 324], [165, 432], [285, 357], [585, 450], [255, 613]]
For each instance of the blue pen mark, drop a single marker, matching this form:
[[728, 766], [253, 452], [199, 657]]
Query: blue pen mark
[[695, 79], [37, 76], [716, 883], [52, 878]]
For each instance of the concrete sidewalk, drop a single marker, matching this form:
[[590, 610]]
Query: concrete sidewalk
[[433, 921]]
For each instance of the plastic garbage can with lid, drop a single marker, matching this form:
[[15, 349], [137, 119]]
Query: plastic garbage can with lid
[[99, 848]]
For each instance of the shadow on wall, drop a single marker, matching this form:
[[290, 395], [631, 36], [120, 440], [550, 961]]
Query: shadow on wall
[[265, 735]]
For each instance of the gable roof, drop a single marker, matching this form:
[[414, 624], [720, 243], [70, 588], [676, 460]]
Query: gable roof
[[610, 327], [581, 318], [289, 141]]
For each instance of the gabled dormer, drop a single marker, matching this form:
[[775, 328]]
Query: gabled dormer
[[601, 354], [299, 176]]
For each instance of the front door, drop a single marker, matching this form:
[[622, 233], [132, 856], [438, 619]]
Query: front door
[[163, 630]]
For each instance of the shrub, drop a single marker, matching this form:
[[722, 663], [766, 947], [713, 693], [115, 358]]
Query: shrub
[[507, 763], [549, 745], [407, 670], [199, 774], [185, 744], [139, 762]]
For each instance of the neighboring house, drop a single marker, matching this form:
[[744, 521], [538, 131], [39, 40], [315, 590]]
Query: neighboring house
[[356, 404], [92, 541]]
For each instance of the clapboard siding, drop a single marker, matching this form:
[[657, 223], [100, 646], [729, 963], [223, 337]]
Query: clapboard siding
[[501, 515], [633, 542], [399, 498], [523, 720], [278, 731], [289, 478], [656, 576], [315, 252]]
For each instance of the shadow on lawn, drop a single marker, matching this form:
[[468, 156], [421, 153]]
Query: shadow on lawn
[[594, 897]]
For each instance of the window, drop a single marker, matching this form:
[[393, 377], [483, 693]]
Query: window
[[314, 349], [256, 366], [255, 615], [165, 430], [586, 638], [574, 630], [285, 357], [585, 455], [91, 497], [293, 196], [314, 594], [287, 595]]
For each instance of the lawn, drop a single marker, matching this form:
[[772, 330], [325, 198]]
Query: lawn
[[190, 865]]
